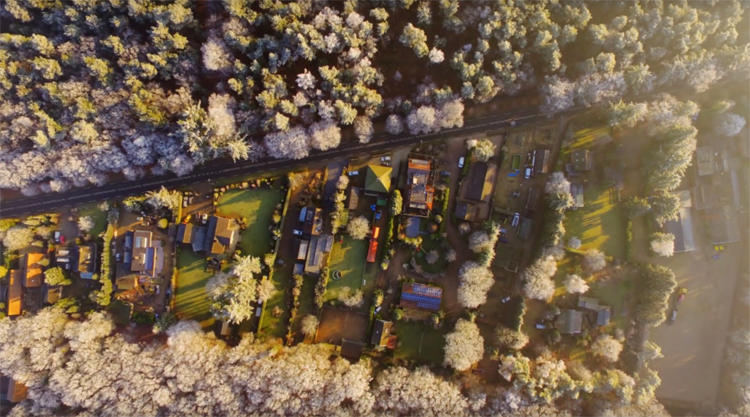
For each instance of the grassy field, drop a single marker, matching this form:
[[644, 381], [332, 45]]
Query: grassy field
[[275, 327], [599, 223], [191, 302], [420, 341], [257, 206], [306, 300], [349, 257], [120, 312], [427, 246], [99, 217]]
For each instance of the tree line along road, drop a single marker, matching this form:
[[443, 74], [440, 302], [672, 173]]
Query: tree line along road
[[224, 169]]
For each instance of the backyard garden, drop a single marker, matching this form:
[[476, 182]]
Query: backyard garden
[[348, 258], [254, 207], [191, 301], [420, 341]]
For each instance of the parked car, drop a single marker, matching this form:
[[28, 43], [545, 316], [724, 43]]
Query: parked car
[[377, 310], [57, 236], [385, 159], [445, 173], [353, 173], [461, 161], [378, 215], [62, 238], [516, 220], [527, 173], [118, 256], [505, 300], [297, 232], [204, 218], [673, 316], [184, 202], [541, 326]]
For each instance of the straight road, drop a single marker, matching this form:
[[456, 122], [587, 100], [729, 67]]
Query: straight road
[[224, 169]]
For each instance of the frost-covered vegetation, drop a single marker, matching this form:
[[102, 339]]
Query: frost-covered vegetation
[[75, 367], [95, 89]]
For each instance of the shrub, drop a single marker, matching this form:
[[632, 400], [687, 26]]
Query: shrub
[[655, 284]]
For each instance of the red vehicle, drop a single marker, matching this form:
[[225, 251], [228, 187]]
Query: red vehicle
[[62, 238]]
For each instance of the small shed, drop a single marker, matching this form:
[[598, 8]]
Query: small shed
[[524, 232], [569, 322], [541, 161], [302, 249], [352, 349], [353, 198], [588, 303], [381, 332], [603, 315]]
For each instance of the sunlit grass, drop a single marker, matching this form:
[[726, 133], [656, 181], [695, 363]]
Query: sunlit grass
[[257, 206], [191, 300]]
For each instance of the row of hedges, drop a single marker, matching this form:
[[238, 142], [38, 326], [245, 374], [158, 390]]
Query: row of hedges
[[445, 198], [320, 288], [292, 303], [104, 296], [514, 321], [629, 239]]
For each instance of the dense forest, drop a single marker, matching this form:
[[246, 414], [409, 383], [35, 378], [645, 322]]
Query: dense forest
[[86, 368], [94, 89]]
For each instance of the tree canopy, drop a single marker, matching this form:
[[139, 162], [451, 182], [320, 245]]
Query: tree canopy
[[105, 88]]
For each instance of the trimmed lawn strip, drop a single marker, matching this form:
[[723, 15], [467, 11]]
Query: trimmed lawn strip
[[306, 301], [412, 334], [257, 206], [191, 300], [599, 224], [275, 327]]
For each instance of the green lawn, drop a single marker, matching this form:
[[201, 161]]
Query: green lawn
[[349, 257], [599, 223], [427, 246], [99, 217], [120, 312], [421, 341], [275, 327], [257, 206], [191, 301], [306, 300]]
